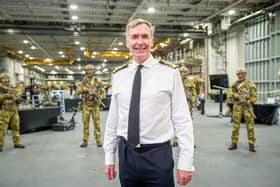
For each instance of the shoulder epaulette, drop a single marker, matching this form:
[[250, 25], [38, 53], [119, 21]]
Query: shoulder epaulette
[[174, 66], [120, 67]]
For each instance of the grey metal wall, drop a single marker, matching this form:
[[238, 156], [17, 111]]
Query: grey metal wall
[[262, 54]]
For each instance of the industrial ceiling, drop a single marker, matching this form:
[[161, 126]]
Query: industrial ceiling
[[78, 32]]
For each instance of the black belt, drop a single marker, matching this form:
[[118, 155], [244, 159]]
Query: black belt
[[145, 146]]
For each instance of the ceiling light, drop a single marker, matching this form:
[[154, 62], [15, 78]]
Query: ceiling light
[[60, 52], [103, 64], [151, 10], [78, 59], [32, 47], [20, 52], [92, 56], [105, 69], [62, 56], [126, 57], [77, 42], [76, 33], [50, 64], [79, 67], [82, 48], [56, 67], [83, 72], [231, 12], [31, 58], [48, 60], [94, 53], [115, 48], [120, 43], [25, 41], [73, 6], [74, 17], [53, 72], [98, 72], [27, 55], [105, 60], [98, 67], [11, 31], [162, 45]]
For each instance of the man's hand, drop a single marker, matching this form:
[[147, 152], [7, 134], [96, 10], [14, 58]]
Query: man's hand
[[183, 177], [110, 171]]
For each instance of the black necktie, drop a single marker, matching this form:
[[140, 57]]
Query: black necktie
[[133, 118]]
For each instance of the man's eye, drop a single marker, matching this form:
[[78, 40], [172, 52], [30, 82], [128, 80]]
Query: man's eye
[[146, 36]]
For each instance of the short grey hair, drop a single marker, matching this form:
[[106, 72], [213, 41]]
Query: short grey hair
[[138, 21], [89, 66]]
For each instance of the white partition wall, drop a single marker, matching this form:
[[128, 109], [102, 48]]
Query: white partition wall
[[262, 54]]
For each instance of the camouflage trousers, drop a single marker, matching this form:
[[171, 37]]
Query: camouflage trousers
[[95, 113], [9, 118], [238, 112]]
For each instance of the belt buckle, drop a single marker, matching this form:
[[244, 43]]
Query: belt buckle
[[138, 146]]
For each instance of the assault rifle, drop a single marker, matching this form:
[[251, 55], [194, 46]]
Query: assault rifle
[[243, 101]]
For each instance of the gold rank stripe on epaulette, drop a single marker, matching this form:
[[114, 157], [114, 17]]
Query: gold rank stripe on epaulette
[[120, 67], [168, 63]]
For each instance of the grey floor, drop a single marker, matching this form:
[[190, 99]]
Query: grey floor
[[54, 159]]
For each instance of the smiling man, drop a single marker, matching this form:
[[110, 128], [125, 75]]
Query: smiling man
[[148, 106]]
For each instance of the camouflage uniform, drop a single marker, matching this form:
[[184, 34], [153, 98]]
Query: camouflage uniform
[[9, 115], [90, 106], [190, 91], [242, 106]]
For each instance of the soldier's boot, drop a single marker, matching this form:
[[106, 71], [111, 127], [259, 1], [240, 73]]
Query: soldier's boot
[[98, 143], [19, 146], [252, 147], [232, 146], [84, 144]]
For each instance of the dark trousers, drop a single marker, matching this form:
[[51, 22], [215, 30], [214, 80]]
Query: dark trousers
[[149, 166]]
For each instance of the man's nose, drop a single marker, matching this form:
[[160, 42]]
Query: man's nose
[[140, 40]]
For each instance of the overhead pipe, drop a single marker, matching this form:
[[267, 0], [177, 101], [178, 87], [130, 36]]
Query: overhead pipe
[[259, 12], [136, 10], [39, 46], [222, 11]]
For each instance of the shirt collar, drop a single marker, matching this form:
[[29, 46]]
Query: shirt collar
[[147, 64]]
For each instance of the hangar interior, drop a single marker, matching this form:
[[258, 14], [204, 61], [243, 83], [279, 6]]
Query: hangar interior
[[47, 44]]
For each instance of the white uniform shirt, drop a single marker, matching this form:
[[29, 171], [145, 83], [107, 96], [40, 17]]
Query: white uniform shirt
[[163, 109]]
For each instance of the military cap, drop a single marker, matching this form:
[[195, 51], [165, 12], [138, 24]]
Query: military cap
[[241, 70], [4, 75], [89, 66], [183, 69]]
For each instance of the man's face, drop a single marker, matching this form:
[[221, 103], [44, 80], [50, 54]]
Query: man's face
[[139, 42], [241, 76], [89, 72], [5, 81]]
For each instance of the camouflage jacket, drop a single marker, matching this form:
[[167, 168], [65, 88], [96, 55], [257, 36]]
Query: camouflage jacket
[[190, 91], [246, 90], [96, 93], [9, 99]]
